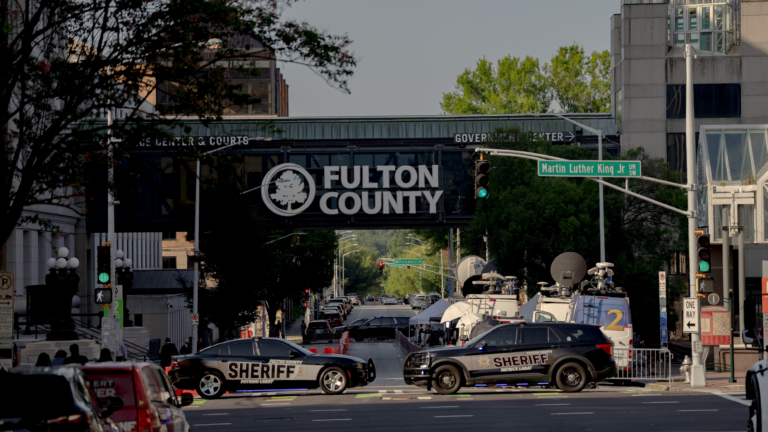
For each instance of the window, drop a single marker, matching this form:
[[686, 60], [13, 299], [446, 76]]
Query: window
[[148, 377], [224, 350], [676, 152], [694, 24], [710, 101], [169, 235], [583, 333], [502, 337], [241, 348], [273, 349], [534, 335], [169, 262]]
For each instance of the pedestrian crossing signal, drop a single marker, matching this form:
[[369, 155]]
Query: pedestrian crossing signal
[[103, 295]]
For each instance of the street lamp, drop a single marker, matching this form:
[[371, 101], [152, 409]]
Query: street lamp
[[298, 233], [195, 275], [599, 134], [343, 288]]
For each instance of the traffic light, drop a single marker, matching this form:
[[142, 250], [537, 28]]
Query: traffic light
[[703, 252], [482, 168], [381, 267], [104, 264]]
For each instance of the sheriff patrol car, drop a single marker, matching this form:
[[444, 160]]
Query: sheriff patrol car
[[564, 354], [246, 365]]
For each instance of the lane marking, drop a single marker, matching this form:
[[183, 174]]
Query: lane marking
[[452, 416], [552, 405], [213, 424], [699, 410], [274, 404], [368, 395], [573, 413], [217, 414], [386, 398], [662, 402], [435, 407], [327, 410], [734, 399], [282, 398], [319, 420], [398, 391], [424, 397], [551, 397], [648, 394]]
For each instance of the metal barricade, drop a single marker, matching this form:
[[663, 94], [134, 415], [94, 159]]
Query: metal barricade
[[405, 344], [652, 364]]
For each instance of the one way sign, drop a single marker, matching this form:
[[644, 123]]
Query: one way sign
[[690, 315]]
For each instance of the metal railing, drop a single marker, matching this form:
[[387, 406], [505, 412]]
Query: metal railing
[[405, 344], [651, 364], [320, 336]]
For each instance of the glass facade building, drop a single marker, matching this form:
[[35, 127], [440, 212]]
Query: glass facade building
[[707, 25]]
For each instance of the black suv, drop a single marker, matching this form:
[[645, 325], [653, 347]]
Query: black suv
[[378, 328], [564, 354]]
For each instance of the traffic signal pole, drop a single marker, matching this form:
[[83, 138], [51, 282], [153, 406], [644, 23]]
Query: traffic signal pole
[[116, 293], [698, 371]]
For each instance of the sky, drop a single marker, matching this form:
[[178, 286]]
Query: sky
[[411, 51]]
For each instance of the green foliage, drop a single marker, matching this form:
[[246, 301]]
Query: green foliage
[[377, 240], [513, 86], [362, 271], [66, 63], [579, 83]]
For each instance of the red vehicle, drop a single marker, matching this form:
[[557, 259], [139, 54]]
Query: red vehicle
[[149, 401], [333, 316]]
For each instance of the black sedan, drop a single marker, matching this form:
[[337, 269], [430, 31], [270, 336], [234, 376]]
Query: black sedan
[[246, 365], [378, 328]]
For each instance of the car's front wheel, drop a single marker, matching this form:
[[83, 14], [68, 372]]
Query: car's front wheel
[[447, 380], [333, 381], [571, 377], [210, 385]]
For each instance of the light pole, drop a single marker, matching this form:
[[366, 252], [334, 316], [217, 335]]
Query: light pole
[[599, 134], [339, 251], [344, 287], [285, 236], [195, 265]]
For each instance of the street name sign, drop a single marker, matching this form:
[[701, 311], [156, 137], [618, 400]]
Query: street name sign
[[409, 261], [589, 169], [691, 315]]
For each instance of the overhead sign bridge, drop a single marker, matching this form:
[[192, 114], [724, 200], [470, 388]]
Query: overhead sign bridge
[[327, 173]]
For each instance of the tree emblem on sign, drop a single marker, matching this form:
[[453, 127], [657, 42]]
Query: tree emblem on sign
[[290, 189]]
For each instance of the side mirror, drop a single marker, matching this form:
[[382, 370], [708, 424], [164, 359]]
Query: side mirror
[[114, 404], [186, 399], [293, 354]]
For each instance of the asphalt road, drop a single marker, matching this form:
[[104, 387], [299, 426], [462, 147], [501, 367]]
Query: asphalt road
[[608, 410], [388, 404]]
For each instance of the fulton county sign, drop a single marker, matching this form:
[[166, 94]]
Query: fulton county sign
[[288, 189], [589, 169]]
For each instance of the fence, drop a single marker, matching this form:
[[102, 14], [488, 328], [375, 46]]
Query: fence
[[644, 364], [405, 344]]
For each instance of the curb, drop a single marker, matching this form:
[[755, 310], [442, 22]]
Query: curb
[[665, 387]]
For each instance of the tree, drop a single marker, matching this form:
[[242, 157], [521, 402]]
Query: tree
[[514, 86], [66, 62], [290, 189], [578, 83], [362, 271]]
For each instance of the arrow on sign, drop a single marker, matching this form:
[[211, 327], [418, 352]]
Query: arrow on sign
[[571, 137], [690, 324]]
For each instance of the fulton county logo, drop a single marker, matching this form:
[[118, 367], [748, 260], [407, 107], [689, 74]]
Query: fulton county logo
[[294, 191], [484, 361], [289, 190]]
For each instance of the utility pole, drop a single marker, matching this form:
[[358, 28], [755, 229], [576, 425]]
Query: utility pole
[[698, 372], [117, 294], [442, 278], [487, 251]]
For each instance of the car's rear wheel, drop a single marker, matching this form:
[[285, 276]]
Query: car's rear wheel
[[571, 377], [210, 385], [333, 381], [447, 380]]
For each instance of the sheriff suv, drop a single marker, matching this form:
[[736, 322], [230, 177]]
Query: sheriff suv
[[567, 355]]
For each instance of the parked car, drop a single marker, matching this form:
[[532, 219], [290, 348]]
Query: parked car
[[149, 401], [418, 303], [389, 299], [378, 328], [318, 330], [53, 399], [332, 315], [370, 299], [338, 307], [353, 298]]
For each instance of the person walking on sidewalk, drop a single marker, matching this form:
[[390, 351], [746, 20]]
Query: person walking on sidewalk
[[75, 356], [186, 348], [166, 352]]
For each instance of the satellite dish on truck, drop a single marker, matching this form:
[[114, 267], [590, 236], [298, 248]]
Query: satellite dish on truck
[[470, 265], [568, 269]]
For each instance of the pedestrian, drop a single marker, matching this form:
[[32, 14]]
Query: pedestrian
[[105, 356], [186, 348], [58, 358], [74, 356], [166, 352], [16, 358], [201, 344], [121, 355], [43, 360], [303, 327]]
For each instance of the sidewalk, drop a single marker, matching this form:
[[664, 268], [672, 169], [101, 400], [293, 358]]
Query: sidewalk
[[716, 382]]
